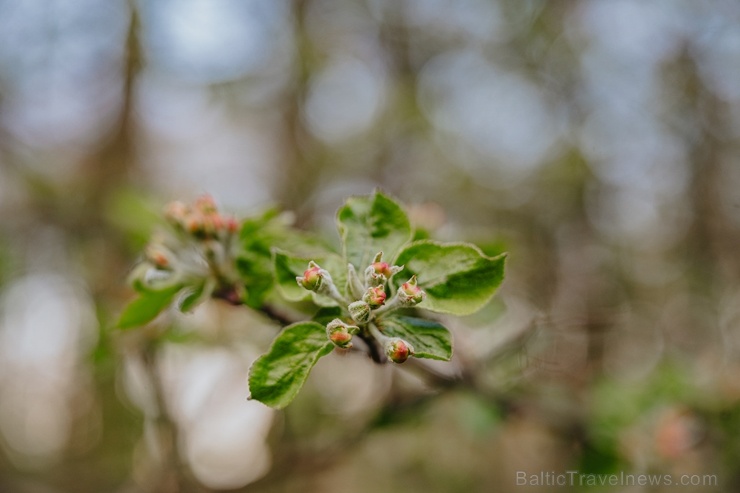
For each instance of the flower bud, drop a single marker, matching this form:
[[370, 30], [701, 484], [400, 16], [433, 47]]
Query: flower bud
[[313, 277], [195, 225], [379, 272], [382, 268], [176, 212], [410, 294], [373, 278], [340, 333], [218, 221], [398, 350], [210, 226], [205, 204], [360, 311], [232, 225], [159, 256], [374, 297]]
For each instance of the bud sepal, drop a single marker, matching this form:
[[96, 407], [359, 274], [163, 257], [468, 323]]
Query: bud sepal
[[354, 287], [359, 311]]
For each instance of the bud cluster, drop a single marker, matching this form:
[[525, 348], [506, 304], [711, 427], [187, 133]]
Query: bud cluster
[[373, 301], [183, 254], [201, 220]]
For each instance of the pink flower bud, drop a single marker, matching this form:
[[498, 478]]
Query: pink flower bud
[[210, 228], [398, 350], [312, 277], [205, 204], [219, 223], [175, 212], [159, 256], [382, 268], [374, 297], [340, 333], [341, 339], [232, 225], [378, 273], [410, 294], [195, 224]]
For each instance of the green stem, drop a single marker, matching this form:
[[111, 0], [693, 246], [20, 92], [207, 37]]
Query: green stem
[[377, 334]]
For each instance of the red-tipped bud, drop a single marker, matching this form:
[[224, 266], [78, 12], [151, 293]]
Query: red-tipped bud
[[374, 297], [232, 225], [378, 273], [210, 225], [340, 333], [219, 224], [382, 268], [313, 277], [159, 256], [205, 204], [195, 224], [176, 212], [398, 350], [410, 294]]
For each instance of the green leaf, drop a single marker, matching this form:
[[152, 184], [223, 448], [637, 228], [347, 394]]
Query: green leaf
[[276, 377], [192, 296], [147, 306], [371, 224], [258, 236], [430, 339], [255, 273], [288, 267], [457, 277]]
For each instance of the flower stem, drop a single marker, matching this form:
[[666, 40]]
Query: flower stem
[[376, 333]]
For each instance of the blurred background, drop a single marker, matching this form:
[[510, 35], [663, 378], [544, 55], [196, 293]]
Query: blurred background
[[596, 141]]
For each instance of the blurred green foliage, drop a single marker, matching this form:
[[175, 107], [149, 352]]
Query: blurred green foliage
[[596, 142]]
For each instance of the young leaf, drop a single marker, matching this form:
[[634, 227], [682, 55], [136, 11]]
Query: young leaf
[[288, 267], [429, 339], [368, 225], [254, 261], [457, 277], [147, 306], [257, 237], [194, 295], [276, 377]]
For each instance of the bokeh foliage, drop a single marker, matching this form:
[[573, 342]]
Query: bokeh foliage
[[597, 142]]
